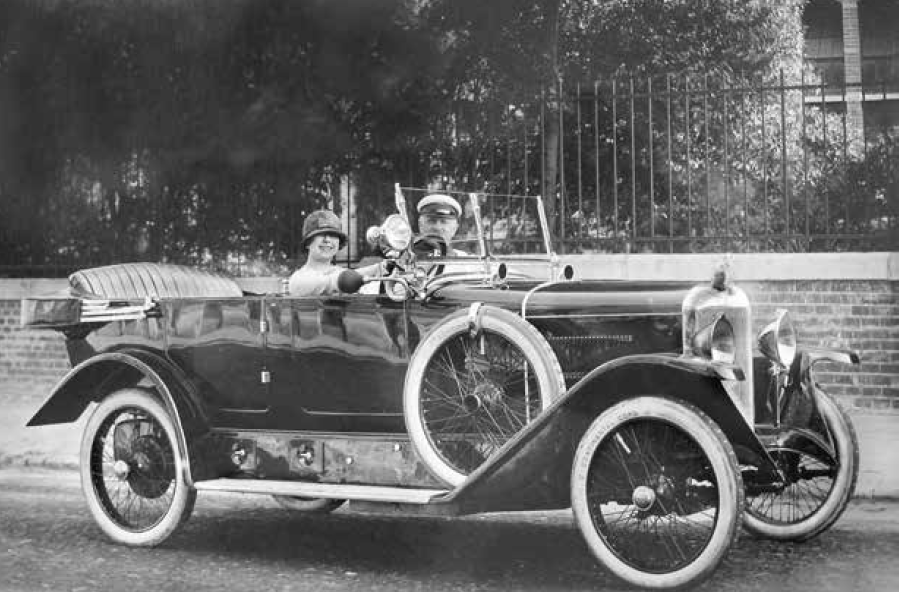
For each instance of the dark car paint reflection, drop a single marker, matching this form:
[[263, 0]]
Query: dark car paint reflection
[[336, 363], [340, 363]]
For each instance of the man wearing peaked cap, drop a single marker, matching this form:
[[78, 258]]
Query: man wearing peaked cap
[[439, 215], [439, 205]]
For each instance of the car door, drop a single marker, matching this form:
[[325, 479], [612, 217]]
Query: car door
[[218, 343], [337, 363]]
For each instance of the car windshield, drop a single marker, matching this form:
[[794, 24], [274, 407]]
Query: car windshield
[[495, 225]]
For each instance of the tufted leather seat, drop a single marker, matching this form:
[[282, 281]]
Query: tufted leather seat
[[138, 280]]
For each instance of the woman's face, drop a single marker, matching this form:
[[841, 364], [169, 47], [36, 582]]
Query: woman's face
[[323, 247]]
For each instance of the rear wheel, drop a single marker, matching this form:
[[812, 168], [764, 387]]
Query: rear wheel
[[470, 389], [818, 487], [132, 472], [656, 492]]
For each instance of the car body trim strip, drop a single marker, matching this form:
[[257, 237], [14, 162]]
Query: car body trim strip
[[525, 303], [667, 313], [322, 490]]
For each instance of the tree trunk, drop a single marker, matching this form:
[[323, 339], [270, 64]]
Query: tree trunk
[[551, 132], [549, 192]]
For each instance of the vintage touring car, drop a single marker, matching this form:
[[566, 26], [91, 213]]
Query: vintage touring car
[[487, 381]]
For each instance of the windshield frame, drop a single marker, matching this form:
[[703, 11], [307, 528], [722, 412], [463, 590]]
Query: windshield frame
[[473, 200]]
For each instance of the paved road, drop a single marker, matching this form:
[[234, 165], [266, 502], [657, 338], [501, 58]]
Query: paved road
[[48, 542]]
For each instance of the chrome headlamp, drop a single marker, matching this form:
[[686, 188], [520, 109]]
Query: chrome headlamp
[[716, 341], [778, 340], [393, 235]]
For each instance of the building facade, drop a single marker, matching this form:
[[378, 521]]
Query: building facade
[[853, 44]]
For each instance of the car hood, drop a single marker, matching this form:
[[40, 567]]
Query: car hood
[[589, 322], [585, 297]]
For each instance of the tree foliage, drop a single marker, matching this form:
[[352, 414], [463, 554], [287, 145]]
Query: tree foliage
[[209, 124], [201, 131]]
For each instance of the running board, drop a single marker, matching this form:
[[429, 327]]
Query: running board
[[341, 491]]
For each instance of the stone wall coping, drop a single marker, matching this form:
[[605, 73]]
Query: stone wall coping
[[743, 266], [678, 266]]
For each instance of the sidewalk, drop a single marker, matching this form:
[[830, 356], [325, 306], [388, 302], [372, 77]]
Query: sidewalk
[[55, 446]]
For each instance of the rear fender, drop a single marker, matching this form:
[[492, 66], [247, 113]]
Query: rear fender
[[95, 378], [532, 471]]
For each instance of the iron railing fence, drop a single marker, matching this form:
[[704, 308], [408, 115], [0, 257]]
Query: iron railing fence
[[629, 164], [679, 164]]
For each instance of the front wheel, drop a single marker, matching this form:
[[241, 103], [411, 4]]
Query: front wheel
[[656, 492], [817, 489], [131, 470]]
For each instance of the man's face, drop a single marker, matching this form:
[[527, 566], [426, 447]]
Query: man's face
[[443, 226]]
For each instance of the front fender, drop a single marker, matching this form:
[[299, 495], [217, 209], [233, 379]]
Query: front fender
[[105, 373], [801, 411], [798, 403], [532, 471]]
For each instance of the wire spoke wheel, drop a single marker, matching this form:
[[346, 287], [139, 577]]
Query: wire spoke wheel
[[815, 490], [476, 379], [801, 499], [131, 470], [656, 493], [651, 495], [476, 394]]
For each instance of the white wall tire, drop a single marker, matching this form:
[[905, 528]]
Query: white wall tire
[[647, 471], [465, 395], [132, 471], [807, 507]]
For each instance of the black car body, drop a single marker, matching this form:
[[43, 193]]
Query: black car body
[[465, 384]]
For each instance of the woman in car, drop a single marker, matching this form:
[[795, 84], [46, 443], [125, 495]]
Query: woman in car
[[323, 237]]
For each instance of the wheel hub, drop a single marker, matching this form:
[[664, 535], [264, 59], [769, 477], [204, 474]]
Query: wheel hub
[[484, 393], [121, 469], [644, 498], [149, 469]]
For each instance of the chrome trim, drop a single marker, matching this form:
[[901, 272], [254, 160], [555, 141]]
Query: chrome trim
[[311, 434], [530, 293], [475, 310], [439, 282], [322, 490], [543, 220], [349, 413], [97, 311], [816, 354], [400, 202], [477, 215]]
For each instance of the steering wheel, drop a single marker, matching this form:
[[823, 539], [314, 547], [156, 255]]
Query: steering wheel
[[431, 245]]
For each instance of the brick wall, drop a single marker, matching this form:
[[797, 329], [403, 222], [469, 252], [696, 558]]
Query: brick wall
[[28, 358], [841, 314], [848, 314]]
